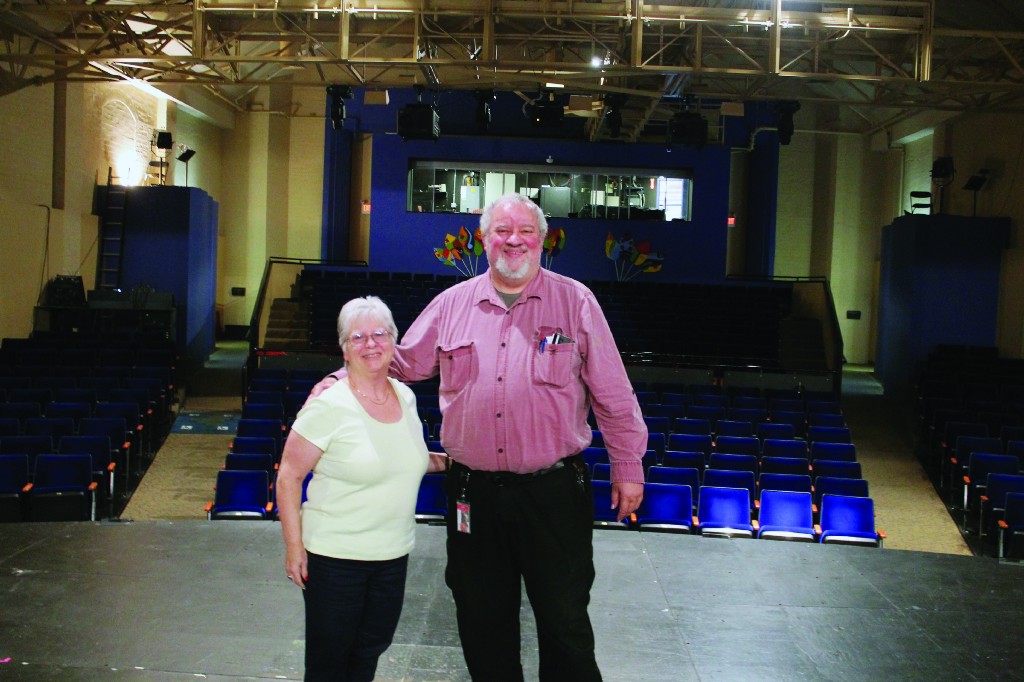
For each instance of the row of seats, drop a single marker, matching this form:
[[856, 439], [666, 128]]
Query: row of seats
[[52, 354], [725, 512], [738, 323], [720, 512], [50, 487], [823, 437], [744, 471], [970, 410], [100, 441], [93, 408], [257, 447]]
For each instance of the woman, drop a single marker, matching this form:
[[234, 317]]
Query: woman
[[348, 546]]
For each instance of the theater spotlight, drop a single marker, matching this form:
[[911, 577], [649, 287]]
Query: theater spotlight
[[785, 126], [613, 113], [336, 96], [943, 170], [483, 109], [163, 140]]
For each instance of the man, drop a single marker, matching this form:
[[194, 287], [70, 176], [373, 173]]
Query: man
[[523, 354]]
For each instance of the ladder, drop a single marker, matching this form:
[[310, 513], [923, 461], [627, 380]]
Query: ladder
[[113, 199]]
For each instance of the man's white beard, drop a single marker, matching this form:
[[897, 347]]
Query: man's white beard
[[508, 273]]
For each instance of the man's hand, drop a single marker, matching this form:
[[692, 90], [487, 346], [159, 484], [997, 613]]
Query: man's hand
[[325, 383], [626, 497]]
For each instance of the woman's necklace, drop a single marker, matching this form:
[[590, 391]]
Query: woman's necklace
[[387, 393]]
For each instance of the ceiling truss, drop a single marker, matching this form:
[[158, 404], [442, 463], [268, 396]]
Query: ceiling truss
[[872, 62]]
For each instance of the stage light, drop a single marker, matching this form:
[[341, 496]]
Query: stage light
[[336, 96], [943, 170], [613, 113], [483, 109], [785, 126], [164, 140]]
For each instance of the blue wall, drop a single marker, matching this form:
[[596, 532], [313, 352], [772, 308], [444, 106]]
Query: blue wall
[[694, 250], [171, 245], [939, 284]]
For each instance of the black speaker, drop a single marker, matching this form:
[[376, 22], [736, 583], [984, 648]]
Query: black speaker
[[419, 122], [688, 128], [65, 291], [164, 140], [942, 168]]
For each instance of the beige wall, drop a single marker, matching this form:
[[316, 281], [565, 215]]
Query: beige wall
[[306, 173], [40, 241], [867, 189], [26, 151], [270, 200], [861, 199], [835, 195], [209, 168], [794, 216]]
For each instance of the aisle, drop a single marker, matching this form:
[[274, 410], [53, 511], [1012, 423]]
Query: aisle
[[907, 507], [181, 479]]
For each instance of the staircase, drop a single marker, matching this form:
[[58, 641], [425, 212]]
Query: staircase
[[288, 325]]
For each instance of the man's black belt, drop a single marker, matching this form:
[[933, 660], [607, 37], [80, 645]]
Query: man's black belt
[[511, 478]]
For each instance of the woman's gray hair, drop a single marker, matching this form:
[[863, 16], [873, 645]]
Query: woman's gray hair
[[365, 307], [513, 198]]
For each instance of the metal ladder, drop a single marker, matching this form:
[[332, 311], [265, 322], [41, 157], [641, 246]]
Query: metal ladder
[[113, 200]]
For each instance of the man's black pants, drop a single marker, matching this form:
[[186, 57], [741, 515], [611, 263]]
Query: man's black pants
[[537, 529]]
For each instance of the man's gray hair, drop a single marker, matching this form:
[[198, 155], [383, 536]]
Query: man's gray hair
[[513, 198]]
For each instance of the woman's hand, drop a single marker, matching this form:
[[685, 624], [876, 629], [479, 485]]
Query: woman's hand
[[299, 458], [296, 566]]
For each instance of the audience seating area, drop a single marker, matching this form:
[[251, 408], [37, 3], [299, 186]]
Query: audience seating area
[[970, 412], [708, 471], [80, 419], [732, 323], [706, 474]]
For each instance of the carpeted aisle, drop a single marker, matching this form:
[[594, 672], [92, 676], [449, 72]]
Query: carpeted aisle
[[181, 478], [907, 507]]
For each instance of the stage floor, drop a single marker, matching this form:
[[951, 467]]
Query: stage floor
[[161, 600]]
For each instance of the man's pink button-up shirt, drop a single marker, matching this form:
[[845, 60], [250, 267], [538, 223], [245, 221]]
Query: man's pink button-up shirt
[[511, 403]]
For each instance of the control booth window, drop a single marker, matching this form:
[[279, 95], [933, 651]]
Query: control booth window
[[567, 192]]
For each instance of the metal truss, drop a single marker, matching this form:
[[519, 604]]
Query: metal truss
[[866, 64]]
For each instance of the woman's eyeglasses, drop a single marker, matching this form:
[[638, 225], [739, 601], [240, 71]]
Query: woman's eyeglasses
[[379, 337]]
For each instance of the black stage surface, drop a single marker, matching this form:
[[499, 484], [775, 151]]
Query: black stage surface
[[209, 600]]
